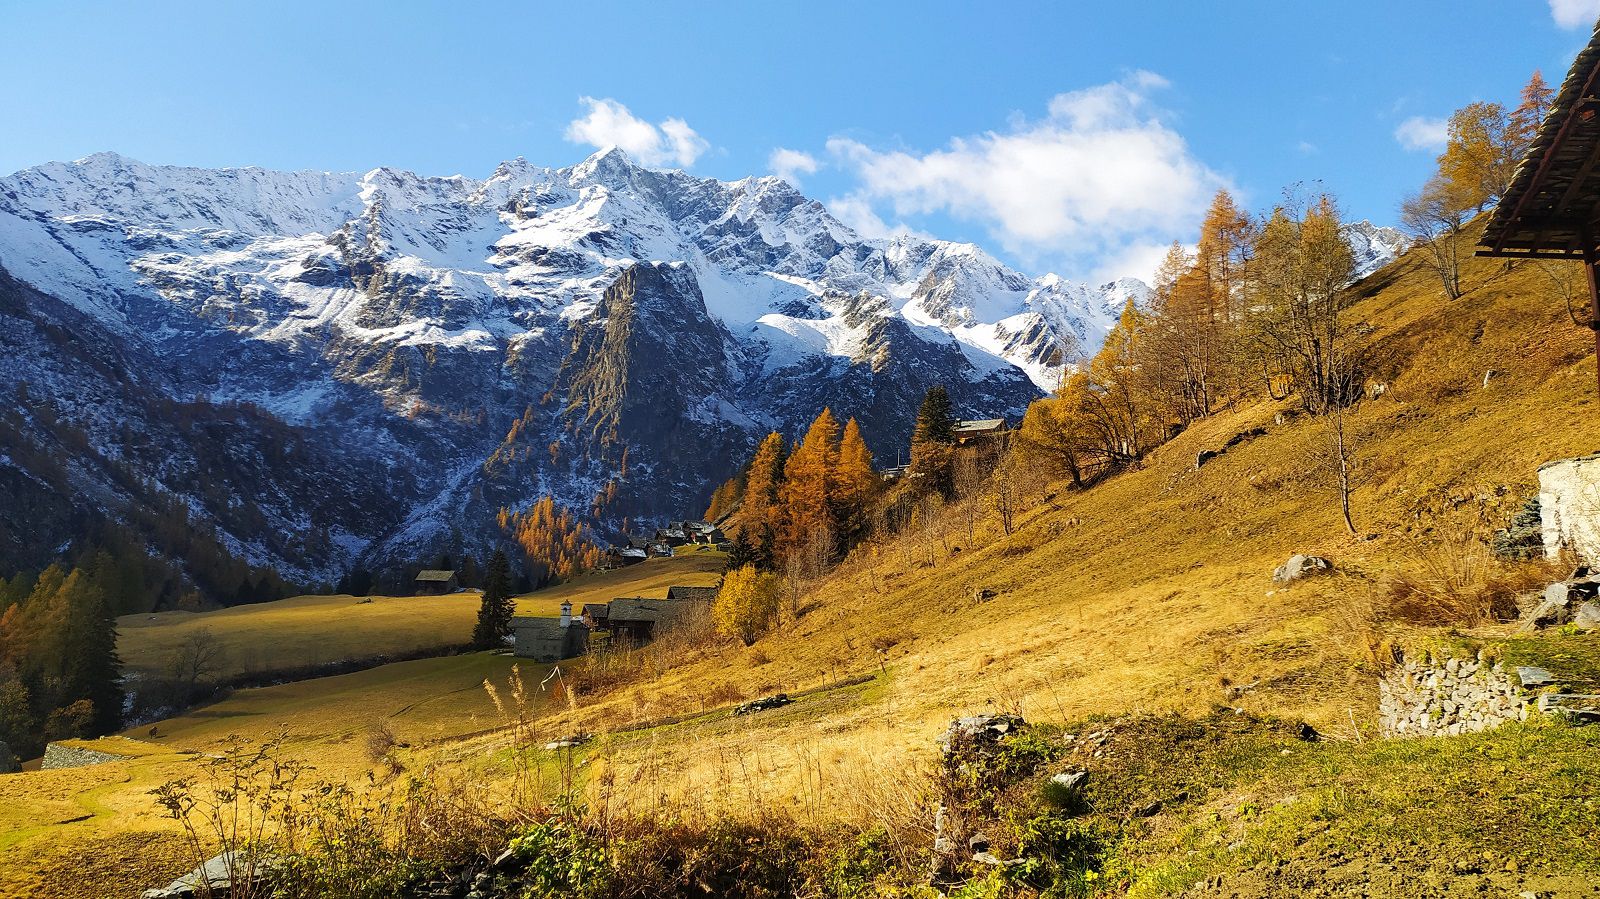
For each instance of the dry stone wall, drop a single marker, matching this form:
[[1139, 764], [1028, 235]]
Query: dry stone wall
[[1447, 697], [58, 755]]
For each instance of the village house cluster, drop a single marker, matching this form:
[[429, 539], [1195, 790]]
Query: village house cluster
[[624, 621]]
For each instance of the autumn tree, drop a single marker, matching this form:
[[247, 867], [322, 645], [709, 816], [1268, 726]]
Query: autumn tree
[[1480, 154], [556, 544], [1529, 114], [856, 483], [1055, 438], [747, 605], [497, 606], [1298, 325], [1110, 396], [807, 495], [1434, 217], [758, 515]]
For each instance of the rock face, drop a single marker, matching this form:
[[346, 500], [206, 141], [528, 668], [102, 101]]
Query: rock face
[[8, 760], [1447, 697], [339, 369], [1300, 566], [1569, 507]]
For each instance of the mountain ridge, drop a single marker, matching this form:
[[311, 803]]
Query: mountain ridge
[[462, 331]]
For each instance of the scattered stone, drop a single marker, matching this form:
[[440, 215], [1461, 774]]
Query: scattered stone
[[978, 843], [983, 595], [215, 877], [1071, 781], [1534, 678], [569, 742], [1205, 456], [763, 704], [1148, 810], [1299, 566], [1587, 616]]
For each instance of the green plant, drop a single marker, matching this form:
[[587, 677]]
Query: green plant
[[562, 860]]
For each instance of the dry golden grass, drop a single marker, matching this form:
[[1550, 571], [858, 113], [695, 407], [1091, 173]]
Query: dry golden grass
[[1150, 592], [310, 631]]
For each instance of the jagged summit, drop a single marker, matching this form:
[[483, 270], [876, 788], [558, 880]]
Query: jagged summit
[[518, 335]]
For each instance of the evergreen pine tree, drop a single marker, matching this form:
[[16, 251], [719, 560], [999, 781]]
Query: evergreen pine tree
[[494, 614], [936, 422]]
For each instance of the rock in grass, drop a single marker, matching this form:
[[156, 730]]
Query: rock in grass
[[1300, 566], [1587, 616], [8, 760]]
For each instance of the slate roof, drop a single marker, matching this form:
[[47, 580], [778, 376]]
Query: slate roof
[[1550, 208], [434, 576], [692, 594], [980, 424]]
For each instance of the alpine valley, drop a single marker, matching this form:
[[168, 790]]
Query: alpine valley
[[330, 370]]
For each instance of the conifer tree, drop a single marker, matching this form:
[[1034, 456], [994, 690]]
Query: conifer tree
[[1529, 114], [807, 494], [857, 483], [758, 510], [931, 456], [497, 607]]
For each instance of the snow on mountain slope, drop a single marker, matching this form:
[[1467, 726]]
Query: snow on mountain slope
[[538, 331]]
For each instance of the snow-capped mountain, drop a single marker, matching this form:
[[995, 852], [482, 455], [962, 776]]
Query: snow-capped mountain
[[1374, 247], [441, 348]]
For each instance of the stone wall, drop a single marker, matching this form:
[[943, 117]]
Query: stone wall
[[1447, 697], [1569, 507], [60, 755]]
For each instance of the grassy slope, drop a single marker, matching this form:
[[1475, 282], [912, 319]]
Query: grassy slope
[[1152, 591], [51, 820], [308, 631]]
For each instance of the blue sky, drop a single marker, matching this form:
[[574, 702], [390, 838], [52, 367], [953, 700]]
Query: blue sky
[[1075, 137]]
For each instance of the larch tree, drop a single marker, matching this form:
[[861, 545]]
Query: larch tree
[[808, 492], [857, 483], [758, 510], [1529, 114], [1434, 217]]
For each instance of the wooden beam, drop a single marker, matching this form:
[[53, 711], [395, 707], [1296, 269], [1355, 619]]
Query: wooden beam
[[1591, 261]]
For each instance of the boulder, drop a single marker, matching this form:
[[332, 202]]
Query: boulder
[[8, 760], [1299, 566], [217, 874], [1587, 616]]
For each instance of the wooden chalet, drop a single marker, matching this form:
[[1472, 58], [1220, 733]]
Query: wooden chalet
[[434, 582], [1552, 209], [979, 429]]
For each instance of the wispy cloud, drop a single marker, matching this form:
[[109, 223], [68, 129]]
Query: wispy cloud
[[1575, 13], [791, 164], [607, 123], [1421, 133], [1100, 172]]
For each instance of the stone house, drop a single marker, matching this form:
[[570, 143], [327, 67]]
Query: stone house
[[1569, 507], [550, 639]]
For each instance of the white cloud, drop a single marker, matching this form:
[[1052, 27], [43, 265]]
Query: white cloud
[[1100, 172], [608, 123], [1419, 133], [1137, 260], [1575, 13], [791, 164]]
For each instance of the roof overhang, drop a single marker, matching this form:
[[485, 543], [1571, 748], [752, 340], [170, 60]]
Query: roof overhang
[[1552, 208]]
